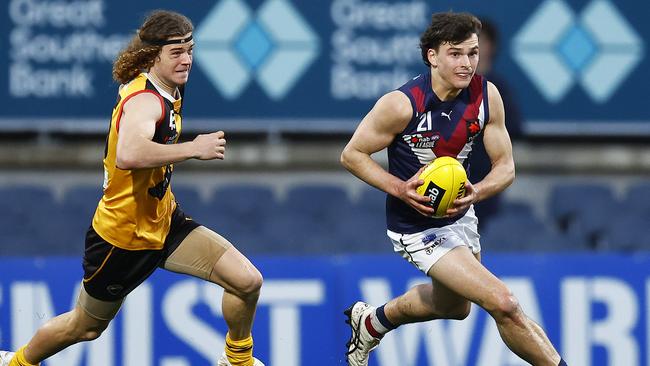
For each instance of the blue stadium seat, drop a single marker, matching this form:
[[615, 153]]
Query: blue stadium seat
[[580, 210], [318, 201], [552, 241], [568, 200], [637, 198], [627, 232], [243, 200], [32, 221], [362, 231], [80, 202], [372, 200], [238, 212], [516, 207], [510, 232], [190, 202]]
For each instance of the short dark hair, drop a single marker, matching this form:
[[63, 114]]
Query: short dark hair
[[448, 27]]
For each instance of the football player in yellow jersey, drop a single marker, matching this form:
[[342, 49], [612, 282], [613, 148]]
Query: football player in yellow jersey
[[138, 226]]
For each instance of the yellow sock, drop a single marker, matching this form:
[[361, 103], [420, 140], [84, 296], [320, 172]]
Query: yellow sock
[[19, 358], [239, 353]]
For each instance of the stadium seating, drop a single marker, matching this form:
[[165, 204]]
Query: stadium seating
[[637, 198], [627, 232], [326, 218], [511, 232], [31, 221], [581, 210]]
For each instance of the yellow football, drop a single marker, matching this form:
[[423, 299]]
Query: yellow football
[[444, 181]]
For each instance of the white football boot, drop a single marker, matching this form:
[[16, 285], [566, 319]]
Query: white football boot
[[5, 357], [223, 361], [361, 342]]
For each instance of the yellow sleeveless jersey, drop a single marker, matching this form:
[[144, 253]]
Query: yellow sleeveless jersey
[[136, 208]]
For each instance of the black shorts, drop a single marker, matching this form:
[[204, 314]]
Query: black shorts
[[111, 273]]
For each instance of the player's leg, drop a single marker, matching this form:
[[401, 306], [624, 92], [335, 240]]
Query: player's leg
[[427, 302], [110, 273], [421, 303], [85, 322], [462, 273], [205, 254]]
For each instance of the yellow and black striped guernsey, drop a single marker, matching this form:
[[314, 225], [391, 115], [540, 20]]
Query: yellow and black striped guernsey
[[136, 208]]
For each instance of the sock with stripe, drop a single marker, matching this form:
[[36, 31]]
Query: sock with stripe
[[19, 358], [239, 353], [378, 324]]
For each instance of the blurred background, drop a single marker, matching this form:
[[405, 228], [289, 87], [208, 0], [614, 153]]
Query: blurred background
[[288, 81]]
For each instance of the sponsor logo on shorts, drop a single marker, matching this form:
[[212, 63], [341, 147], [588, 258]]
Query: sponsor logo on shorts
[[429, 238], [114, 289], [439, 241], [435, 242]]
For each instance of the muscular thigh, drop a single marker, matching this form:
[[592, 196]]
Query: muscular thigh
[[445, 299], [463, 274], [209, 256], [198, 253]]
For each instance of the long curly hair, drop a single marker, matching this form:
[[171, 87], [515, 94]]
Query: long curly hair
[[140, 55]]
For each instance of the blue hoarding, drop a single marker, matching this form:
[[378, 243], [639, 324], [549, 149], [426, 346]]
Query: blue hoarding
[[259, 64], [595, 309]]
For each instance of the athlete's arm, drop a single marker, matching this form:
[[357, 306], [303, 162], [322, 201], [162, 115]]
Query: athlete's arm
[[499, 149], [388, 117], [135, 148]]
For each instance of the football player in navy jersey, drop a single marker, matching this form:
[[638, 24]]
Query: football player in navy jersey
[[439, 113]]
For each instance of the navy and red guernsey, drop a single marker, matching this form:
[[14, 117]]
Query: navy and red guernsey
[[437, 128]]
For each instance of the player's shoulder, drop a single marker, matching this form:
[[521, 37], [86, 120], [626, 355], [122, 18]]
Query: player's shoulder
[[416, 84], [492, 91], [395, 103]]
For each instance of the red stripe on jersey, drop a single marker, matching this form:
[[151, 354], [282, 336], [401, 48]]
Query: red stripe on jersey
[[162, 106], [475, 95], [461, 134], [418, 96]]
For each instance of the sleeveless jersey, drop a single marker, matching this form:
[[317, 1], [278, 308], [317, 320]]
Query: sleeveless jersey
[[437, 128], [136, 208]]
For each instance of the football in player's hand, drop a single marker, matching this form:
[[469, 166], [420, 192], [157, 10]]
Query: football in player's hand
[[444, 181]]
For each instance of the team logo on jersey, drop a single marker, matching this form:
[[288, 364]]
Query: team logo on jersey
[[425, 140], [473, 129]]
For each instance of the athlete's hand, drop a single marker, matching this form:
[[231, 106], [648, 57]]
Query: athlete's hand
[[210, 146], [461, 205], [408, 194]]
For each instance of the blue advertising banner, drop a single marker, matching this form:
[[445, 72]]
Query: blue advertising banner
[[595, 308], [575, 65]]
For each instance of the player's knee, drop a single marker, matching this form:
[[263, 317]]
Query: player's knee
[[251, 283], [504, 305], [91, 335], [87, 332], [461, 312]]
